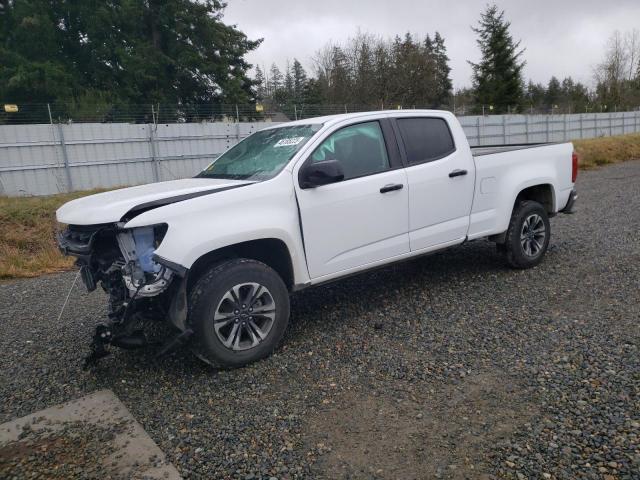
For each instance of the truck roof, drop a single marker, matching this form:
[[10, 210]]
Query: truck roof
[[332, 119]]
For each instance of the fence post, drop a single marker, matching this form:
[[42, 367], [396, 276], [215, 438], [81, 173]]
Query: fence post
[[154, 157], [65, 158], [478, 131], [526, 128], [595, 117], [581, 127], [564, 139], [548, 125], [610, 124], [504, 129], [635, 121]]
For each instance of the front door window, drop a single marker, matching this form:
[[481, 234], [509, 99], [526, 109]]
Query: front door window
[[359, 148]]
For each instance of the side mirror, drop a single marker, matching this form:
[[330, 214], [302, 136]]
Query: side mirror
[[320, 173]]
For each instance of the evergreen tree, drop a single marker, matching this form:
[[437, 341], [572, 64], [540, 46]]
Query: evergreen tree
[[553, 95], [299, 81], [497, 78], [406, 81], [564, 97], [275, 80], [444, 86], [288, 83], [312, 92], [259, 83], [312, 99], [415, 79], [383, 72], [464, 100], [133, 51], [339, 79], [536, 93], [364, 78], [575, 96]]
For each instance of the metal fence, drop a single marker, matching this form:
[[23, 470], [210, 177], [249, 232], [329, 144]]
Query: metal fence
[[51, 158], [36, 113], [514, 129]]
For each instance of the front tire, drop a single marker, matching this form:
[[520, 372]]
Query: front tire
[[238, 311], [528, 235]]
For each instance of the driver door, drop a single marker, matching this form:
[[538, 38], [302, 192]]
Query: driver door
[[364, 218]]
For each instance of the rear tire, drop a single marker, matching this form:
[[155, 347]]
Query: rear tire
[[528, 235], [238, 311]]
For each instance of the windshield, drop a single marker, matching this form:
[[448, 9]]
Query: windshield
[[261, 155]]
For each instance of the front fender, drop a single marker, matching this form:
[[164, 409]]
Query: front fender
[[204, 224]]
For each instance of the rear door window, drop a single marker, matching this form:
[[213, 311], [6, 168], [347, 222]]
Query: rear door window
[[425, 139]]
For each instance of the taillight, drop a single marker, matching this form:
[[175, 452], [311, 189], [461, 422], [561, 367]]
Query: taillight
[[574, 167]]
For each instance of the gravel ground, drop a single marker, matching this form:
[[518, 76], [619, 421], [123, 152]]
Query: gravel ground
[[67, 452], [450, 366]]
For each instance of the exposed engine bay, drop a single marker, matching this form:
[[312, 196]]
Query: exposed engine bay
[[122, 262]]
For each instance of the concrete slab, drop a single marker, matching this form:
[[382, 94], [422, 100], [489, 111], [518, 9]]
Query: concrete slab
[[95, 434]]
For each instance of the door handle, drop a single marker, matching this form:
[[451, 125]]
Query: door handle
[[391, 187], [458, 173]]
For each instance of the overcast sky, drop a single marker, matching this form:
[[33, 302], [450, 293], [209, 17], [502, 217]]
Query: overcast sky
[[562, 37]]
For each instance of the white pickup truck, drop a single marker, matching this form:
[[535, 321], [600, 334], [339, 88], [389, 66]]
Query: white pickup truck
[[299, 204]]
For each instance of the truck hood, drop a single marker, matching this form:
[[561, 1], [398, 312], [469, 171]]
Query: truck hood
[[116, 205]]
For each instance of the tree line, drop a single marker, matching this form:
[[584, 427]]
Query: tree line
[[366, 70], [618, 75], [179, 54], [408, 71], [94, 54], [556, 96]]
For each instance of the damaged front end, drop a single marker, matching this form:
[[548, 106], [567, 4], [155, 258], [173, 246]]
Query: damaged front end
[[122, 262]]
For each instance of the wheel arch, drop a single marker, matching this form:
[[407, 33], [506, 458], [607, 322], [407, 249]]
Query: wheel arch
[[543, 193], [270, 251]]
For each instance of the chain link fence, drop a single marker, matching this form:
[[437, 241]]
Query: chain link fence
[[40, 113]]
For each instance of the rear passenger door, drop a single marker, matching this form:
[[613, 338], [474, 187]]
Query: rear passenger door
[[441, 182]]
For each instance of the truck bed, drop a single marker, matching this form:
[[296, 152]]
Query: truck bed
[[504, 170]]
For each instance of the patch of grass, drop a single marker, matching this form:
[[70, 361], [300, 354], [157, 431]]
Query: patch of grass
[[28, 245], [603, 150]]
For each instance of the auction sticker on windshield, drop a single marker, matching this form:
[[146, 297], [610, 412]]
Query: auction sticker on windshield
[[288, 142]]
